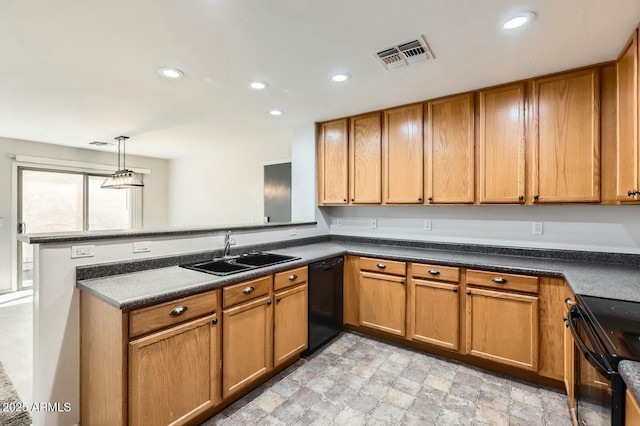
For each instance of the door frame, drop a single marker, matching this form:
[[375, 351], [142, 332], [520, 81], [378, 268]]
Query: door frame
[[135, 200]]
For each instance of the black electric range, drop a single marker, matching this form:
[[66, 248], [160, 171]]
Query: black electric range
[[605, 331]]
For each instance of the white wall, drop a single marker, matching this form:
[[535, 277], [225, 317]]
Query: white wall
[[591, 228], [303, 173], [154, 196], [223, 184], [56, 345]]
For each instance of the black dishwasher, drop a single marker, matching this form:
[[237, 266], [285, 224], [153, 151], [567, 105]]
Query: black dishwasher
[[325, 302]]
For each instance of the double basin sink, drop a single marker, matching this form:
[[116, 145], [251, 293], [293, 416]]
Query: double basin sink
[[235, 264]]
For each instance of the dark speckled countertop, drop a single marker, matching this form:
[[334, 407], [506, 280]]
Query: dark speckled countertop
[[612, 280]]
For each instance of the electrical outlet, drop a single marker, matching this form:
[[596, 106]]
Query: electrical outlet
[[537, 228], [374, 223], [142, 247], [83, 251], [339, 221], [293, 231], [427, 224]]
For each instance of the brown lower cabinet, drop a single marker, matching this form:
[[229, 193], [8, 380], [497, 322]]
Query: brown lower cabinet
[[246, 344], [383, 302], [632, 411], [503, 327], [191, 351], [507, 322], [179, 361]]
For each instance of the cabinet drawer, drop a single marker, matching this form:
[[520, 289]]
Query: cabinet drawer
[[379, 265], [503, 281], [245, 291], [435, 272], [156, 317], [288, 278]]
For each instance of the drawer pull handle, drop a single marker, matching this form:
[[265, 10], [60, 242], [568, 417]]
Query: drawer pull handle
[[499, 280], [293, 277], [434, 272], [178, 310], [381, 265], [248, 290]]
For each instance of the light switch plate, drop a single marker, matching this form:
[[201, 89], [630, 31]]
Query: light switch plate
[[142, 247], [83, 251]]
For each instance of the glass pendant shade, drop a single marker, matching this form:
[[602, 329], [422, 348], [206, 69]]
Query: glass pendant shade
[[122, 178]]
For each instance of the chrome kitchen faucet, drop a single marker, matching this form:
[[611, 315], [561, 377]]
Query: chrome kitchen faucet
[[228, 242]]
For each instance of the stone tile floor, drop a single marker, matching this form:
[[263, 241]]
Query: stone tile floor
[[357, 380]]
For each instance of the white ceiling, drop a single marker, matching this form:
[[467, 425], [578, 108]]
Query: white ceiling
[[74, 71]]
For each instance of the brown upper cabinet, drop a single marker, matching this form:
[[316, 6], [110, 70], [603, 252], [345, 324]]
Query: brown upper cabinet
[[627, 163], [403, 152], [365, 159], [332, 150], [449, 158], [566, 138], [501, 145]]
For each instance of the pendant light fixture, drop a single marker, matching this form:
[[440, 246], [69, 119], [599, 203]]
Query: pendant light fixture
[[123, 178]]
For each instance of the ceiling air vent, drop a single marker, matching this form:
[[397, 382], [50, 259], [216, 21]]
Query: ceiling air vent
[[100, 143], [404, 54]]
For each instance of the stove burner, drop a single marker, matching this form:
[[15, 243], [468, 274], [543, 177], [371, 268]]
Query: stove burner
[[627, 311]]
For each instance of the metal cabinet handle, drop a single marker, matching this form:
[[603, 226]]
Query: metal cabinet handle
[[178, 310], [215, 321], [420, 199], [568, 301], [632, 193], [430, 198], [468, 291], [434, 272], [269, 302], [292, 277], [345, 200], [248, 290], [521, 198], [278, 299], [499, 280], [353, 199], [401, 281], [455, 290], [536, 198], [381, 265]]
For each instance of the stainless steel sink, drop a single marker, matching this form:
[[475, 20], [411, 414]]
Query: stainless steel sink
[[235, 264]]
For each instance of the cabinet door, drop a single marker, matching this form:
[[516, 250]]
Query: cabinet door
[[503, 327], [627, 144], [333, 160], [383, 302], [449, 157], [174, 374], [566, 138], [246, 344], [569, 361], [403, 155], [365, 159], [501, 145], [290, 324], [435, 316]]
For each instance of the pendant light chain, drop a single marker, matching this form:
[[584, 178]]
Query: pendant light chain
[[119, 140]]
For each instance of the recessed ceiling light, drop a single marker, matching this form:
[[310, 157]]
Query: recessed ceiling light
[[340, 77], [172, 73], [276, 112], [258, 85], [518, 20]]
